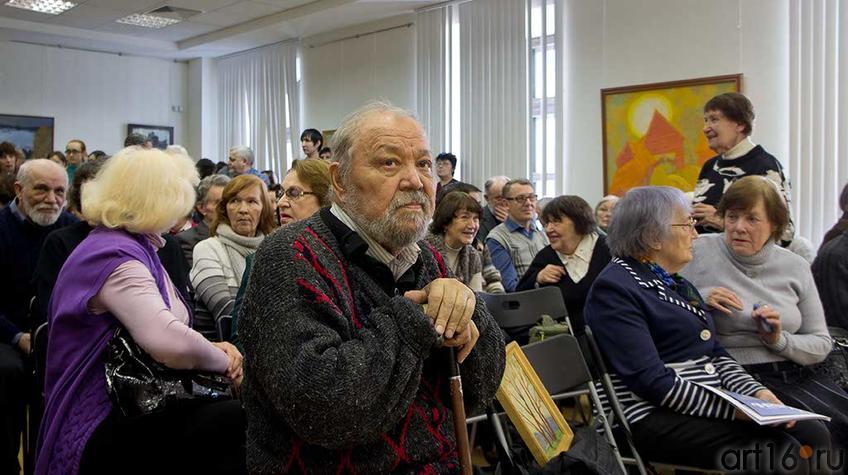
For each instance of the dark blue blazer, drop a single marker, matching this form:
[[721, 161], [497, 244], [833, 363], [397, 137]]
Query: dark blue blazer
[[658, 344]]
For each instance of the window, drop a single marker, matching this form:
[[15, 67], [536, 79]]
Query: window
[[543, 96]]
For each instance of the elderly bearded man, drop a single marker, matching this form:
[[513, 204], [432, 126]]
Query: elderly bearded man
[[341, 369], [37, 210]]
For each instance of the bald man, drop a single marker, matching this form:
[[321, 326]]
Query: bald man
[[38, 209]]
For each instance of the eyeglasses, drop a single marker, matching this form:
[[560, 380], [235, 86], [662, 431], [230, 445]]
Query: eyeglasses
[[691, 224], [294, 192], [523, 198]]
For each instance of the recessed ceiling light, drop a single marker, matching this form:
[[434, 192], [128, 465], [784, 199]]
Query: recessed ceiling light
[[147, 21], [53, 7]]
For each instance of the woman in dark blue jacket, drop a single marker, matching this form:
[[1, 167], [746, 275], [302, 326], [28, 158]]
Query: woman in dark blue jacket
[[659, 341]]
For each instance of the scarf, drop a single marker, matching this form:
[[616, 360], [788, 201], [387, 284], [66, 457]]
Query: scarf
[[677, 283], [238, 247]]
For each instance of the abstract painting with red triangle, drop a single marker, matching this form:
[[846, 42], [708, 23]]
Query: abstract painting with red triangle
[[652, 132]]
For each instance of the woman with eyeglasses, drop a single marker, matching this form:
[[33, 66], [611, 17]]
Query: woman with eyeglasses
[[659, 339], [305, 190], [765, 303]]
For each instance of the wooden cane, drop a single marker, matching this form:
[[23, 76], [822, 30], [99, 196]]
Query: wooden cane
[[458, 406]]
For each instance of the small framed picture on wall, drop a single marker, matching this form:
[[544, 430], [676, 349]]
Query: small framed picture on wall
[[159, 136]]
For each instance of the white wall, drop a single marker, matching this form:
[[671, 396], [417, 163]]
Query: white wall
[[92, 96], [202, 110], [340, 76], [614, 43]]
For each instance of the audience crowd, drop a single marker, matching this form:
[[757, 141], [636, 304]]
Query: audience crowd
[[327, 301]]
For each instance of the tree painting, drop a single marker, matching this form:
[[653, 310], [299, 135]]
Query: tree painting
[[531, 409]]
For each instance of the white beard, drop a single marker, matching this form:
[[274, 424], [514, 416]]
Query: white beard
[[43, 217]]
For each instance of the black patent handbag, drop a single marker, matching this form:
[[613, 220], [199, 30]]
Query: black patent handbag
[[138, 385]]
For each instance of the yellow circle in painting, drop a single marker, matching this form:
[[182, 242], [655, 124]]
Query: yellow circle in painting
[[642, 110]]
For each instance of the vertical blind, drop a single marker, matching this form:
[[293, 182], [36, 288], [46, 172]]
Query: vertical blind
[[818, 118], [253, 109], [431, 75], [493, 88]]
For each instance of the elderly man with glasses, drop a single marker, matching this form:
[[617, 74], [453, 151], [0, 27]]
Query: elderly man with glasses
[[343, 371], [514, 243]]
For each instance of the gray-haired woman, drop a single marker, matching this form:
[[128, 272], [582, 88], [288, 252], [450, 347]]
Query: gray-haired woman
[[659, 339]]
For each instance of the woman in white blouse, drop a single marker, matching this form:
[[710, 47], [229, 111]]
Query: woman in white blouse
[[573, 259]]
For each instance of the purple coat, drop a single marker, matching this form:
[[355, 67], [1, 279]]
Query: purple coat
[[75, 382]]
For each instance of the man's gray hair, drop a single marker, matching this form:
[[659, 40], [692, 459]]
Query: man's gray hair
[[207, 183], [642, 218], [244, 152], [515, 182], [491, 182], [24, 176], [344, 136]]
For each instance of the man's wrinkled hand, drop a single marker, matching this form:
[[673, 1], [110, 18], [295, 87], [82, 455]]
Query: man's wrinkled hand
[[450, 304], [464, 340]]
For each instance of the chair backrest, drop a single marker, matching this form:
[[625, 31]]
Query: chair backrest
[[525, 308], [559, 363], [39, 354], [224, 326]]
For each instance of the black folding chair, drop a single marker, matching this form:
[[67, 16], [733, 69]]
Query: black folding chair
[[559, 363], [224, 327], [616, 413], [517, 312], [36, 404]]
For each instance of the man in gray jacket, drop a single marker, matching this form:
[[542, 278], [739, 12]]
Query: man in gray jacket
[[343, 372]]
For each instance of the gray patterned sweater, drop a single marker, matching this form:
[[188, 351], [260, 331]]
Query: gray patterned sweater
[[340, 371]]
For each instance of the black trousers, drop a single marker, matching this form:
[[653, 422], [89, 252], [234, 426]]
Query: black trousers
[[800, 387], [733, 446], [12, 404], [196, 437]]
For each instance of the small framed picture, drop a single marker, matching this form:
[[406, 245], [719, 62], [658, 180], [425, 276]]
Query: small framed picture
[[160, 136], [531, 409]]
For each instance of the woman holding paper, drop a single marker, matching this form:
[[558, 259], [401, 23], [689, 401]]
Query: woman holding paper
[[659, 340], [766, 306]]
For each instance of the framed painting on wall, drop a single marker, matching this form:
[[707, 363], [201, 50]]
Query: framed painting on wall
[[32, 134], [531, 409], [159, 135], [653, 132]]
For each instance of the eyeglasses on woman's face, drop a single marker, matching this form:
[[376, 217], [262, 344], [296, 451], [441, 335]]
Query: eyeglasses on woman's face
[[294, 192], [690, 225]]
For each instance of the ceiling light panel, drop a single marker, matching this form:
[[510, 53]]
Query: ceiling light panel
[[147, 21], [53, 7]]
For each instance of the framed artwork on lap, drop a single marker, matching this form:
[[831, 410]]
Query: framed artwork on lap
[[32, 134], [652, 132], [531, 409], [159, 135]]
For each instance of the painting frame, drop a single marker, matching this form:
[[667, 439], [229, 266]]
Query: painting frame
[[690, 153], [33, 134], [520, 375], [157, 131]]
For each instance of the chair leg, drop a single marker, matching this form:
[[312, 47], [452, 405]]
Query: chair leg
[[596, 401]]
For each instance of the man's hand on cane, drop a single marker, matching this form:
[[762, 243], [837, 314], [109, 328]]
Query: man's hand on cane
[[450, 305]]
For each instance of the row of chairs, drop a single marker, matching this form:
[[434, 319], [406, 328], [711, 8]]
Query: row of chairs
[[568, 366]]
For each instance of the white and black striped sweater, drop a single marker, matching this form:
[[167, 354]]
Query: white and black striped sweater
[[658, 345]]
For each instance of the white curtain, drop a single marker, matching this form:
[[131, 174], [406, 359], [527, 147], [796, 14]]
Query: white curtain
[[818, 119], [493, 91], [252, 90], [431, 74]]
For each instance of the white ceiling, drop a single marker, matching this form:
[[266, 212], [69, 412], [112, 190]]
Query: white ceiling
[[223, 27]]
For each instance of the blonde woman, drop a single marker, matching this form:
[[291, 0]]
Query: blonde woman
[[114, 279]]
